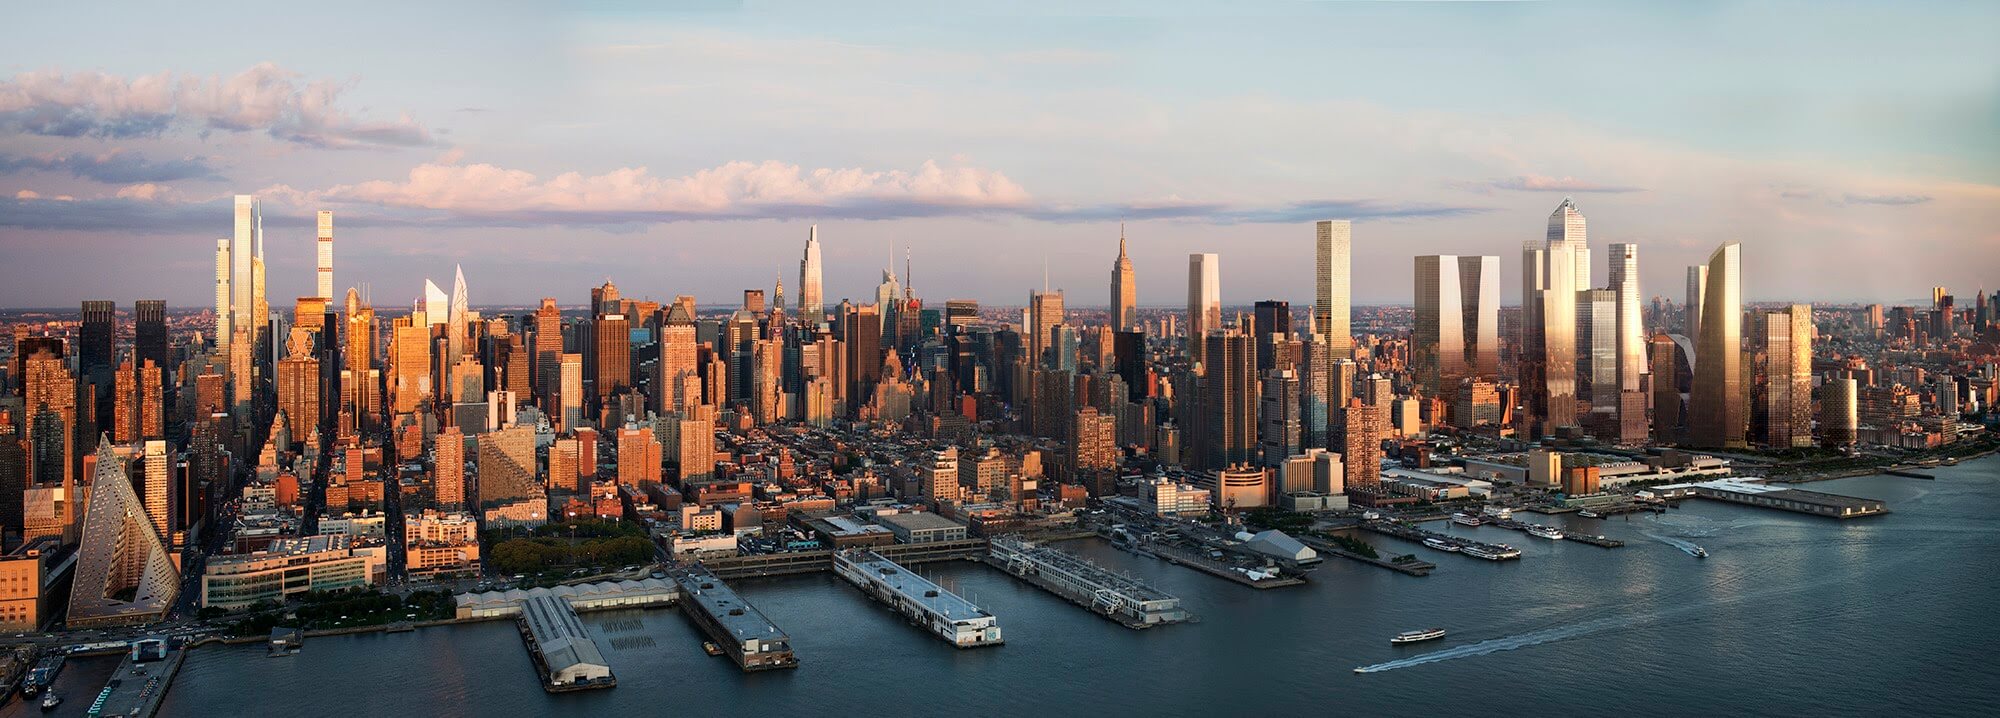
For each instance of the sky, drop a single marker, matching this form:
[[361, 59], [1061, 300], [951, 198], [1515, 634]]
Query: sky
[[685, 147]]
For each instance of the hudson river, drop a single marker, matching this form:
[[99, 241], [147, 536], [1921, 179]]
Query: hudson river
[[1790, 615]]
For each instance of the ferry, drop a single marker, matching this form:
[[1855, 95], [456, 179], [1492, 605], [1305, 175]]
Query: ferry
[[1547, 532], [1478, 551], [1440, 545], [1499, 512], [1465, 519], [1587, 514], [1695, 551], [1427, 634]]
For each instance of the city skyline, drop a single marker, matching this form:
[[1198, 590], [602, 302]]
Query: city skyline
[[117, 162]]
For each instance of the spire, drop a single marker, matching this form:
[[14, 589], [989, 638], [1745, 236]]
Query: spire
[[1121, 240]]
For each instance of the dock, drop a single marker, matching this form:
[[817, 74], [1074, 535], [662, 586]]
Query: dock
[[790, 563], [1102, 591], [1801, 501], [1410, 565], [736, 627], [139, 684], [1491, 551], [1254, 578], [925, 604], [566, 657], [1908, 474]]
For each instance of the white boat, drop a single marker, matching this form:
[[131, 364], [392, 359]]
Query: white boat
[[1499, 512], [1465, 519], [1427, 634], [1440, 545], [1587, 514], [1547, 532], [1695, 551], [50, 701], [1477, 551]]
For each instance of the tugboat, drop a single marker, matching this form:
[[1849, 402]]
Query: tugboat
[[1428, 634], [1440, 545], [50, 701], [1547, 532], [710, 648]]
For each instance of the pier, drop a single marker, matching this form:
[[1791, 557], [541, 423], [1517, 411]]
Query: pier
[[1191, 558], [736, 627], [1800, 501], [1408, 564], [566, 657], [1594, 540], [1104, 592], [140, 683], [925, 604], [1479, 550], [798, 562], [1908, 474]]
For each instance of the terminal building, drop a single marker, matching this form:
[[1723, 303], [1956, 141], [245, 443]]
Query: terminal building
[[1794, 500], [567, 656]]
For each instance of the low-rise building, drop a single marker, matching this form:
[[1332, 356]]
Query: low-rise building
[[288, 568], [922, 527]]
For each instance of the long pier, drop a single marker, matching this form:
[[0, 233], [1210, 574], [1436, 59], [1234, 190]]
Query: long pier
[[1411, 565], [1591, 539], [736, 627], [1102, 591], [1192, 559], [137, 687], [925, 604], [798, 562], [1494, 552]]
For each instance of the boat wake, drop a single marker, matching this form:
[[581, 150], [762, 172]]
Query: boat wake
[[1684, 545], [1496, 645]]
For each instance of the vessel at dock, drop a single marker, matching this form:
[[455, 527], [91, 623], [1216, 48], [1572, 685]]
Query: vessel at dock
[[1465, 519], [1441, 545], [1105, 592], [926, 604], [1501, 552], [1428, 634], [1547, 532]]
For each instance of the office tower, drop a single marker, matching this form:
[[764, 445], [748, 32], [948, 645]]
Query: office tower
[[49, 399], [1717, 403], [1204, 302], [158, 486], [1364, 424], [1631, 320], [568, 393], [1553, 273], [1333, 248], [124, 404], [298, 384], [13, 479], [448, 468], [457, 317], [410, 362], [812, 302], [96, 340], [548, 349], [960, 313], [1228, 410], [244, 246], [1668, 415], [149, 332], [1045, 311], [435, 307], [1874, 319], [1124, 292], [223, 293], [1093, 442], [325, 255], [1437, 342], [1271, 321], [678, 357], [1785, 412], [1281, 430], [124, 574], [1697, 292], [507, 466], [614, 355], [691, 439], [1839, 413], [1315, 394], [1597, 351], [604, 299], [1479, 293]]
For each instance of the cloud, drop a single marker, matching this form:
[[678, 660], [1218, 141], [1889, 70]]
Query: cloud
[[113, 167], [1885, 199], [736, 190], [264, 98], [1224, 213], [1541, 183]]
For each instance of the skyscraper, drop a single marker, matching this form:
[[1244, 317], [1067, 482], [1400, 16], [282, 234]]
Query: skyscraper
[[1839, 412], [457, 317], [124, 574], [326, 255], [245, 246], [1124, 293], [1228, 418], [1785, 412], [1332, 250], [1697, 292], [1272, 320], [1437, 341], [812, 302], [1479, 293], [223, 293], [1363, 426], [1204, 301], [1045, 312], [1597, 353], [1624, 281], [149, 332], [1717, 403], [448, 468], [1553, 272], [548, 350]]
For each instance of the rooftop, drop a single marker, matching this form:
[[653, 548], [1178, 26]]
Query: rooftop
[[741, 619], [919, 521], [916, 588]]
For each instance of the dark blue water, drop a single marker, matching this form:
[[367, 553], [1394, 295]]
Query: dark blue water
[[1791, 615]]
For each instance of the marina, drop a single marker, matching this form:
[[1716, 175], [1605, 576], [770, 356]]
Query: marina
[[1260, 577], [1466, 547], [739, 629], [923, 603], [1549, 532], [1104, 592]]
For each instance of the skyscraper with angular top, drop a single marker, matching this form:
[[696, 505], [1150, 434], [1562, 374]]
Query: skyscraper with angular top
[[1718, 401]]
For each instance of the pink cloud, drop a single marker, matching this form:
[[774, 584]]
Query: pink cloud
[[265, 97]]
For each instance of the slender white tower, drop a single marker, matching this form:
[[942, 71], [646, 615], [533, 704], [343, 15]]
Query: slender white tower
[[812, 304], [326, 255]]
